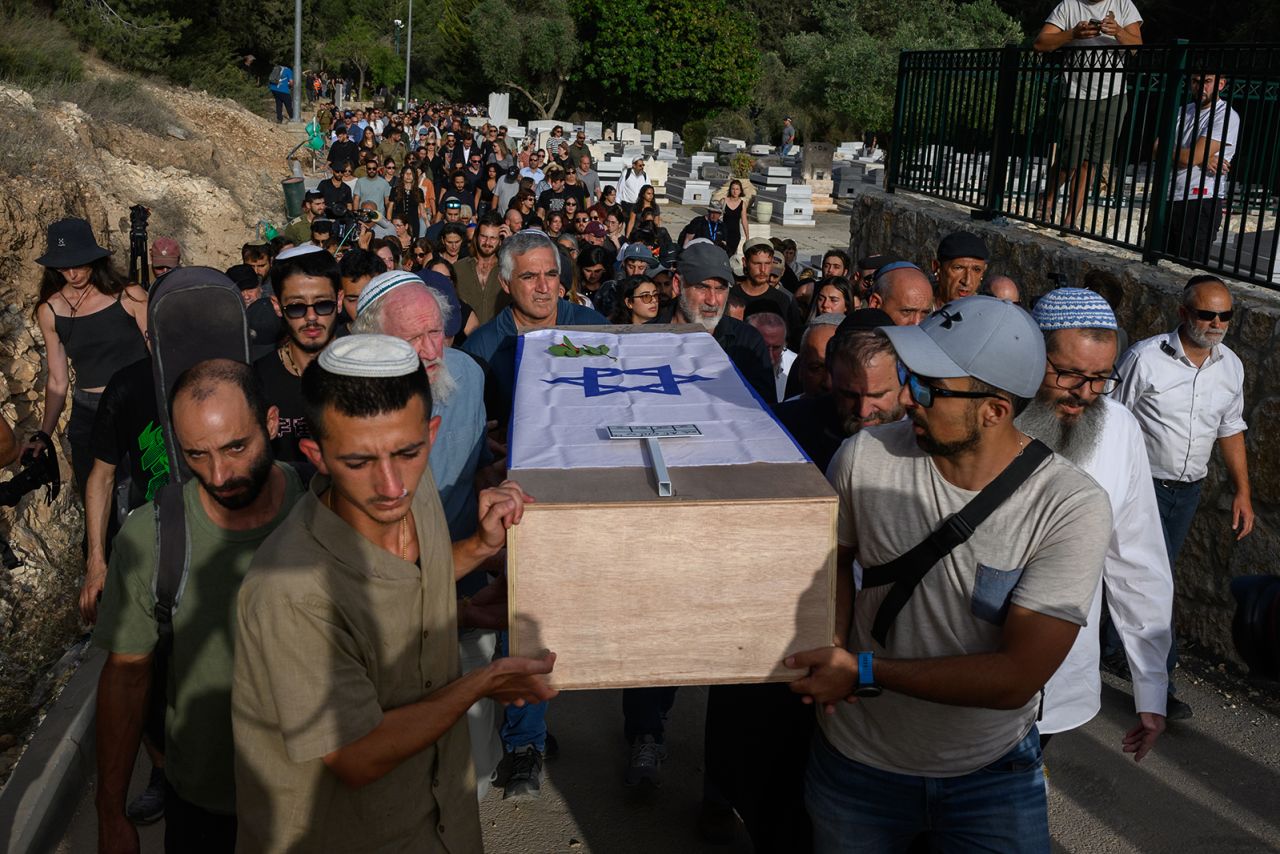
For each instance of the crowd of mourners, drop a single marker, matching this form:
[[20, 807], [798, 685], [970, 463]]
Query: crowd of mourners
[[1015, 481]]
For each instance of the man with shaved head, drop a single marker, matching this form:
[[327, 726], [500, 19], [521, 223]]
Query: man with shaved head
[[1186, 388], [1002, 287], [902, 291]]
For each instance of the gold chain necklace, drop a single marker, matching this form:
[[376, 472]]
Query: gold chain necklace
[[286, 358], [402, 539]]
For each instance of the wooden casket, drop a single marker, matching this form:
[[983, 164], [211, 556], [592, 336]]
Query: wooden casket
[[715, 583]]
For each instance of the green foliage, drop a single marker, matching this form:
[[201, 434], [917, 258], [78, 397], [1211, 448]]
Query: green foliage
[[732, 124], [677, 58], [359, 45], [694, 134], [532, 49], [134, 34], [845, 72], [37, 50], [117, 100]]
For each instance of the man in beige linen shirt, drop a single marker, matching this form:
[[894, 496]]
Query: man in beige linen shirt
[[347, 696]]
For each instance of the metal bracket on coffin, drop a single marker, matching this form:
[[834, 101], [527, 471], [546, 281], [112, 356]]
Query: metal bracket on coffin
[[650, 434]]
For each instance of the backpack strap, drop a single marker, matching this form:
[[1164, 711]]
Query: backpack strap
[[173, 557], [906, 571]]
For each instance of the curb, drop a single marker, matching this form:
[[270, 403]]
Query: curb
[[48, 780]]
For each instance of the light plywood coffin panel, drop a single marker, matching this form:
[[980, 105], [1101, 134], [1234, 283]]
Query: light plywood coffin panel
[[716, 585]]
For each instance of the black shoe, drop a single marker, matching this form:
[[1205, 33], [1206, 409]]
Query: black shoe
[[717, 824], [552, 747], [1176, 710], [525, 782], [645, 766]]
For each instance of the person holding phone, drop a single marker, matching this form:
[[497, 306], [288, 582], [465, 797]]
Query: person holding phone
[[1095, 100]]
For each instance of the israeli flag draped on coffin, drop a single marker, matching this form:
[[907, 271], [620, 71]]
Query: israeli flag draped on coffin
[[564, 403]]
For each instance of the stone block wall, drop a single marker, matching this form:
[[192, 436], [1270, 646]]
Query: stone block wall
[[911, 226]]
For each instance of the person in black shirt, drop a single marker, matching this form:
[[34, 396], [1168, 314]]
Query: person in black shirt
[[552, 199], [757, 261], [308, 292], [343, 153], [337, 195]]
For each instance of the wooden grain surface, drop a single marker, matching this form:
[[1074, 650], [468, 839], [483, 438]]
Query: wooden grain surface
[[672, 593], [749, 482]]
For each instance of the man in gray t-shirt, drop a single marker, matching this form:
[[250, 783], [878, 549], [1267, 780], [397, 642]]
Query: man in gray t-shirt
[[372, 187], [941, 735]]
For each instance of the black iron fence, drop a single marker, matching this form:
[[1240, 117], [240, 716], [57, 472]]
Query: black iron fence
[[1171, 150]]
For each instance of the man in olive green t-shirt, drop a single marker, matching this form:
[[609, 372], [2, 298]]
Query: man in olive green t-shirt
[[236, 498]]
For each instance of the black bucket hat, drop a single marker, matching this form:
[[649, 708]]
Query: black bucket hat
[[71, 244]]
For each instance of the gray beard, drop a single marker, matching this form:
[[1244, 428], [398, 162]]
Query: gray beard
[[1077, 441], [443, 384]]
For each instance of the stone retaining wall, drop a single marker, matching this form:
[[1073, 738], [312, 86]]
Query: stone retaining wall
[[911, 227]]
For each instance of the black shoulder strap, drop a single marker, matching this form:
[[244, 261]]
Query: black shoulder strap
[[906, 571], [173, 556]]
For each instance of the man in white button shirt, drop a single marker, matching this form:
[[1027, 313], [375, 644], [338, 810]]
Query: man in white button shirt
[[1207, 132], [1186, 388], [1073, 415]]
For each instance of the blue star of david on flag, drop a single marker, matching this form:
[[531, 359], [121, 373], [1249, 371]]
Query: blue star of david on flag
[[664, 380]]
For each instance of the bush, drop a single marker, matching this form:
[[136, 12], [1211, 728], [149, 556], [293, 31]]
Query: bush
[[37, 50], [694, 134], [224, 78], [731, 124]]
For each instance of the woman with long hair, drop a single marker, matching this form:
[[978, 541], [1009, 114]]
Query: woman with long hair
[[90, 320], [637, 301], [554, 224], [615, 222], [594, 265], [407, 202], [422, 252], [486, 191], [646, 200], [368, 145], [608, 199], [833, 296], [734, 218]]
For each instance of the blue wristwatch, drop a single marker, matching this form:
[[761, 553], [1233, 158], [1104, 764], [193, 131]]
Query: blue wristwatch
[[866, 686]]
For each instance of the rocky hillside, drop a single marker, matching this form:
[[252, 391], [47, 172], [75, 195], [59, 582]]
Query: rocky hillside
[[209, 170]]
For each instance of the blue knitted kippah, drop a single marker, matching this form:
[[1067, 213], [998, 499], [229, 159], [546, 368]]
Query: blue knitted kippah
[[1073, 308]]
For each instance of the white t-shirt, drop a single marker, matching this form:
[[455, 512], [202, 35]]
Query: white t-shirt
[[1042, 549], [1218, 122], [1093, 85]]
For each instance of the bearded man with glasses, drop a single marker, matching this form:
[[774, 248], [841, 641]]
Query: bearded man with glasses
[[1186, 388], [307, 288]]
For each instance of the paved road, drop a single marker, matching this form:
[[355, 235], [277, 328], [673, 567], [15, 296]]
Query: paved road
[[1212, 785]]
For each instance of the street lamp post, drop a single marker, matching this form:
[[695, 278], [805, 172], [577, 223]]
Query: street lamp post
[[399, 23], [297, 60], [408, 55]]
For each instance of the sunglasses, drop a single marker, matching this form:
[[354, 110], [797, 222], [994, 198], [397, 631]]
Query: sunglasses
[[1205, 314], [652, 296], [923, 393], [298, 310]]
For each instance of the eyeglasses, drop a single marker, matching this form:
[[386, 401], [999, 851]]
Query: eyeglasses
[[923, 393], [1072, 380], [651, 296], [419, 255], [298, 310], [1206, 315]]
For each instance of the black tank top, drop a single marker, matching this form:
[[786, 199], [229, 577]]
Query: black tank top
[[100, 344]]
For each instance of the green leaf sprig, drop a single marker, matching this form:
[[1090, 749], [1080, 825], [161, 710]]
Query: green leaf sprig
[[568, 348]]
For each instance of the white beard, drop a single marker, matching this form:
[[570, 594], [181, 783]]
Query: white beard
[[443, 383], [1077, 442]]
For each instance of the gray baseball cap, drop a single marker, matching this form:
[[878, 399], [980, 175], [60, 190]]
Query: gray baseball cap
[[702, 260], [980, 337]]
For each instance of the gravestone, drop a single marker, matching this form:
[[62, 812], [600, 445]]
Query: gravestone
[[817, 160], [609, 134], [619, 127], [630, 135], [499, 107], [663, 139], [593, 130]]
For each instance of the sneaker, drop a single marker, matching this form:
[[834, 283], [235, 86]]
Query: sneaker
[[525, 781], [1176, 710], [647, 755], [148, 807]]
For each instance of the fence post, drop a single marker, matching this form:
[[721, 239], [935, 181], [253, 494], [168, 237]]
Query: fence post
[[892, 172], [1167, 120], [1002, 139]]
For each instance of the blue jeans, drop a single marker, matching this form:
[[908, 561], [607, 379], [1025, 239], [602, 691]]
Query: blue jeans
[[523, 725], [1177, 510], [857, 808]]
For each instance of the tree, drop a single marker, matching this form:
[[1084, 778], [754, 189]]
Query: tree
[[845, 73], [678, 58], [358, 45], [532, 51]]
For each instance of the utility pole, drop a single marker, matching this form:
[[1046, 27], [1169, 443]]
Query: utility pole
[[408, 54], [297, 60]]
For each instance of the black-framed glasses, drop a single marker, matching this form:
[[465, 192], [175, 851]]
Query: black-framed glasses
[[1073, 380], [298, 310], [1206, 315], [923, 392]]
